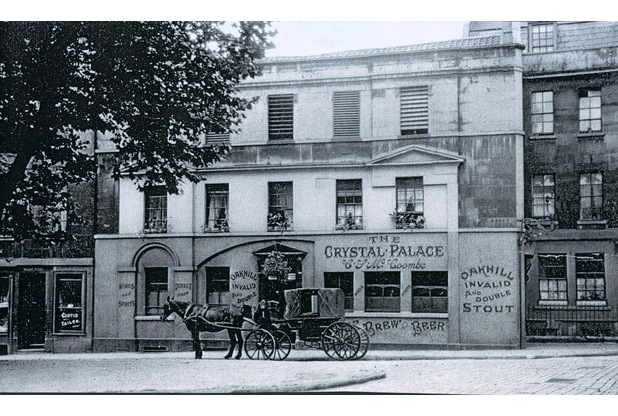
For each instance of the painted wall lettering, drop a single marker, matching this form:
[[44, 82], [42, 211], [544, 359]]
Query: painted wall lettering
[[244, 287], [416, 328], [486, 289]]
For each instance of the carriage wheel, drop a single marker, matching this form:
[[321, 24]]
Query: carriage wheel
[[260, 345], [364, 345], [341, 341], [283, 345]]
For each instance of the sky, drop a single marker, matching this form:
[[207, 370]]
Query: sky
[[301, 38]]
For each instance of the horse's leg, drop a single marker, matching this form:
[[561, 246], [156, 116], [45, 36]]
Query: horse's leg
[[240, 342], [197, 347], [232, 344]]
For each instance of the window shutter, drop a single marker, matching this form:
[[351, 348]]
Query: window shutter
[[281, 117], [346, 114], [414, 110]]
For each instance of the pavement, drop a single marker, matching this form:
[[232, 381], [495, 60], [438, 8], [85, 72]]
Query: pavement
[[177, 372]]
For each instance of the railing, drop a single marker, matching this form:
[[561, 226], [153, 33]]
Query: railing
[[572, 321], [83, 246]]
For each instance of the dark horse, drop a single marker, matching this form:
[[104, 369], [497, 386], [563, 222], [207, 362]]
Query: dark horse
[[209, 319]]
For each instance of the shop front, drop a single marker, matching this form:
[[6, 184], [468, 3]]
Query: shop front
[[407, 289], [44, 307]]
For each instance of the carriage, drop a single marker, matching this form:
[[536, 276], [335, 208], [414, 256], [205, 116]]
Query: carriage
[[313, 317]]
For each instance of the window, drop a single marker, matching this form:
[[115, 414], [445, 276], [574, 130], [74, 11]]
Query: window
[[410, 203], [281, 117], [280, 206], [414, 110], [217, 198], [591, 196], [69, 311], [553, 276], [382, 292], [156, 289], [345, 281], [590, 274], [4, 304], [543, 112], [346, 114], [430, 292], [156, 210], [218, 285], [350, 204], [543, 196], [543, 38], [589, 110]]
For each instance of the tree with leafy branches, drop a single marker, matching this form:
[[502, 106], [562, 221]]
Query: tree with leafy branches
[[154, 89]]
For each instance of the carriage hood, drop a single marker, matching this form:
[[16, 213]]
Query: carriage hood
[[318, 302]]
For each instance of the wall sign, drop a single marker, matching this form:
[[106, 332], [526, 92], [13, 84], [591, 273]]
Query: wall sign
[[487, 289], [244, 287]]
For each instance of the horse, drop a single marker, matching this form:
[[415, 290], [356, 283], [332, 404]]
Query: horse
[[201, 319]]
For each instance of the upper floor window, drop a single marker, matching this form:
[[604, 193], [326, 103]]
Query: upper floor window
[[346, 114], [156, 289], [430, 292], [156, 210], [410, 203], [344, 281], [543, 112], [281, 117], [350, 204], [280, 206], [217, 199], [591, 196], [589, 110], [590, 275], [414, 110], [553, 276], [542, 38], [543, 196], [218, 285], [382, 292]]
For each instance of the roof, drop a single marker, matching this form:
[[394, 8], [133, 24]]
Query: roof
[[464, 43]]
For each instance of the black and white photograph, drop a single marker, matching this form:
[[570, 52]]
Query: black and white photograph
[[308, 207]]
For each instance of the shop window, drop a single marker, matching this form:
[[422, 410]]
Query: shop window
[[346, 114], [543, 112], [589, 110], [69, 313], [344, 281], [543, 197], [280, 206], [430, 292], [281, 117], [218, 285], [542, 38], [410, 203], [4, 304], [156, 289], [217, 208], [414, 110], [590, 276], [591, 196], [350, 204], [156, 210], [382, 292], [553, 276]]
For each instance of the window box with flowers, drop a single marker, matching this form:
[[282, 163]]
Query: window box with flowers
[[279, 221], [408, 219]]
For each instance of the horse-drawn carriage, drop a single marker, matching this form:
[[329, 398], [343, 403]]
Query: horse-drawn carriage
[[311, 316], [314, 317]]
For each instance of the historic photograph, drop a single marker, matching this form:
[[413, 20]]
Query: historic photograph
[[201, 207]]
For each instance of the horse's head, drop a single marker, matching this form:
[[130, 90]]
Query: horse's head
[[167, 309]]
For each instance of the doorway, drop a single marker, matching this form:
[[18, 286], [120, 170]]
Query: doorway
[[31, 311]]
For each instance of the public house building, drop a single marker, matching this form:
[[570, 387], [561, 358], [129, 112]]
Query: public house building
[[395, 174]]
